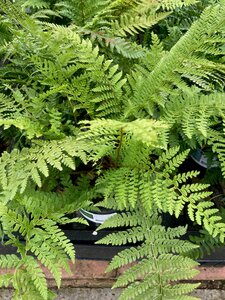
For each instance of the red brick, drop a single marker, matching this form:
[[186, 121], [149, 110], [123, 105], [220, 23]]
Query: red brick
[[211, 273], [91, 273], [85, 273]]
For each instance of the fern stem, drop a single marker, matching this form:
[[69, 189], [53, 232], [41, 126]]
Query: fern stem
[[120, 145], [82, 12], [153, 253], [74, 116]]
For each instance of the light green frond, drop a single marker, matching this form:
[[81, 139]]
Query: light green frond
[[167, 77], [128, 256], [131, 25], [155, 262], [37, 276], [58, 237], [9, 261], [119, 220], [5, 280], [173, 4], [123, 237]]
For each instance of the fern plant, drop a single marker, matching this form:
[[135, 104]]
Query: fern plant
[[109, 22], [171, 29], [160, 254], [43, 238], [171, 73], [88, 98], [145, 189]]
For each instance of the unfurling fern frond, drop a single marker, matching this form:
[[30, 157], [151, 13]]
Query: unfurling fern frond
[[161, 260]]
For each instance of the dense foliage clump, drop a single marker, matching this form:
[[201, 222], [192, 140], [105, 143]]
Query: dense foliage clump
[[101, 104]]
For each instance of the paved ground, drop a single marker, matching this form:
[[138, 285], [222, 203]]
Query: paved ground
[[107, 294], [210, 294], [75, 294]]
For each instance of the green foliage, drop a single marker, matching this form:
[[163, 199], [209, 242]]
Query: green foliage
[[150, 132], [18, 168], [194, 113], [157, 184], [97, 104], [43, 238], [107, 22], [161, 258], [177, 24], [58, 73], [193, 59]]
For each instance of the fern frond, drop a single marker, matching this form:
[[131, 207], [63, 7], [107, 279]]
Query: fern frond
[[17, 15], [54, 205], [207, 244], [58, 237], [171, 4], [150, 132], [218, 142], [30, 161], [131, 25], [155, 186], [193, 113], [123, 237], [80, 12], [48, 253], [37, 276], [9, 261], [171, 269], [157, 262], [128, 256], [5, 280], [120, 220], [47, 261], [166, 78]]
